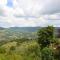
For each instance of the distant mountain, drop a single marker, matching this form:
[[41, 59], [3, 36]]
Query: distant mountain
[[1, 28], [24, 29]]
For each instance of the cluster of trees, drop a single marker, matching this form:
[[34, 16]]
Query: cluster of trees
[[46, 39]]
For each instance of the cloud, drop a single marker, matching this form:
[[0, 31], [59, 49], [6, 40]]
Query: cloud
[[3, 2], [37, 7], [54, 23], [32, 7], [51, 7], [52, 17], [22, 22], [30, 13], [28, 7]]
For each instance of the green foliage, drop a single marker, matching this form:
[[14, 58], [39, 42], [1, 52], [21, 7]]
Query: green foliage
[[57, 52], [29, 49], [45, 36], [12, 48], [2, 50], [25, 51], [47, 54]]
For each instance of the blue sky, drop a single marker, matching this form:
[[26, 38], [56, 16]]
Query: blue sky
[[29, 13], [10, 3]]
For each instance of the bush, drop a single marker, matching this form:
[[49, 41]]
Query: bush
[[57, 52], [12, 48], [2, 50], [47, 54]]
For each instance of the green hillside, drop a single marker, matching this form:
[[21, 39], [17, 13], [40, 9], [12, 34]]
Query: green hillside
[[18, 32], [16, 44]]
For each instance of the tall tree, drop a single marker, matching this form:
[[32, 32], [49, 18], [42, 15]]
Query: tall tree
[[45, 36]]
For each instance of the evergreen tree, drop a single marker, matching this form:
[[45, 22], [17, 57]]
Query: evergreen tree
[[45, 36]]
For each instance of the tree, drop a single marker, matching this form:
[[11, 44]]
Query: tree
[[47, 54], [45, 36]]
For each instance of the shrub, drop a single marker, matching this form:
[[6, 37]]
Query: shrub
[[2, 50], [12, 48], [47, 54]]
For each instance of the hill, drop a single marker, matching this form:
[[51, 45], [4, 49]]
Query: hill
[[18, 32]]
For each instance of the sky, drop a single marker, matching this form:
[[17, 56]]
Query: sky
[[29, 13]]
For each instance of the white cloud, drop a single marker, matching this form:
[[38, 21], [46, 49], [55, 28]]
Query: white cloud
[[54, 23], [22, 22], [38, 7], [3, 2], [29, 7], [30, 13], [52, 17]]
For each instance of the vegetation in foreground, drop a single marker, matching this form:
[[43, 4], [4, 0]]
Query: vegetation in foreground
[[45, 47]]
